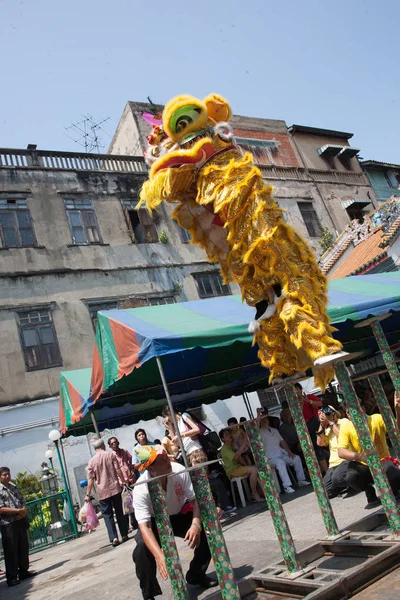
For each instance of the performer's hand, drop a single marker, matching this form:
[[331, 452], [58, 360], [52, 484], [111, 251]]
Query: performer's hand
[[396, 401], [162, 567], [193, 536]]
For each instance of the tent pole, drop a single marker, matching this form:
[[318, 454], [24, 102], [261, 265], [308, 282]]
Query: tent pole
[[360, 423], [94, 422], [246, 403], [171, 408]]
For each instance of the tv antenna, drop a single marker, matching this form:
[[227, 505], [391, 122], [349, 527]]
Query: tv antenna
[[86, 133]]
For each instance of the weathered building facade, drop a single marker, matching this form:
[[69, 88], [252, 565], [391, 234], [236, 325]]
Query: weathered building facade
[[72, 243], [315, 188], [384, 178]]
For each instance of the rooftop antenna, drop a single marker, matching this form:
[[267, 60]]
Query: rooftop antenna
[[86, 133]]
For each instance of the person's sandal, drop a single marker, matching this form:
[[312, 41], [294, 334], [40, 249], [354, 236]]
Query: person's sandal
[[115, 543]]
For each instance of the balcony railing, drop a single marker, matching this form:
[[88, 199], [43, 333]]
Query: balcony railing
[[69, 161], [273, 172], [338, 177]]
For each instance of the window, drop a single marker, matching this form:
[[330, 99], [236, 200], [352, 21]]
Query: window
[[16, 230], [157, 301], [140, 223], [184, 235], [38, 339], [262, 150], [388, 180], [120, 303], [82, 221], [94, 308], [210, 284], [310, 219]]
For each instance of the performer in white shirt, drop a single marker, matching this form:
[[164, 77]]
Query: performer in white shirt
[[185, 520], [279, 454]]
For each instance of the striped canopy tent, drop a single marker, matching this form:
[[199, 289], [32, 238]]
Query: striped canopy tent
[[205, 351]]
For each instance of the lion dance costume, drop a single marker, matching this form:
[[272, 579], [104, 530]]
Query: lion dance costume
[[230, 212]]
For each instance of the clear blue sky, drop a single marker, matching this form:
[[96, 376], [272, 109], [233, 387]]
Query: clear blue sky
[[310, 62]]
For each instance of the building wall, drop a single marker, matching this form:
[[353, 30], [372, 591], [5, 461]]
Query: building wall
[[67, 276], [380, 182], [308, 145]]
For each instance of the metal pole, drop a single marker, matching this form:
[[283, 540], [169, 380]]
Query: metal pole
[[215, 537], [65, 464], [171, 408], [361, 425], [167, 540], [94, 422], [311, 461], [386, 412], [387, 354], [249, 409], [272, 497], [69, 501]]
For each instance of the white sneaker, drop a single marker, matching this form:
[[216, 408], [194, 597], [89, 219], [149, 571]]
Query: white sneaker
[[324, 360], [303, 483], [289, 490]]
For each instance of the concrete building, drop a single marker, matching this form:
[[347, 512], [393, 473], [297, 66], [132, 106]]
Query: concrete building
[[314, 183], [384, 178], [71, 244], [333, 166]]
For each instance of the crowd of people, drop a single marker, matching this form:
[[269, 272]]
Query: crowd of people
[[341, 459]]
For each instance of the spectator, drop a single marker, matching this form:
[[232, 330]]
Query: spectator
[[148, 555], [104, 470], [14, 530], [279, 454], [171, 449], [397, 408], [234, 467], [335, 479], [124, 459], [310, 406], [239, 438], [359, 476], [288, 431], [141, 440], [243, 420], [189, 431]]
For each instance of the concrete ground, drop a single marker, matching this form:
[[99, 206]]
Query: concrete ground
[[89, 568]]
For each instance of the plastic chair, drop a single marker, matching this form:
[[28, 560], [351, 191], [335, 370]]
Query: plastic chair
[[241, 482]]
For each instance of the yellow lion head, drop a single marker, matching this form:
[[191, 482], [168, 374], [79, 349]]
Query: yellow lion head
[[186, 114]]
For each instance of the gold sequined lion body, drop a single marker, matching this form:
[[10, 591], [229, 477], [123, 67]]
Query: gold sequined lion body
[[230, 212]]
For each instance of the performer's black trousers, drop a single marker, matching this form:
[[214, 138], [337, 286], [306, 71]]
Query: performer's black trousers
[[359, 477], [16, 548], [335, 479], [146, 568]]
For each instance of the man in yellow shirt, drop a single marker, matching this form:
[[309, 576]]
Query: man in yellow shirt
[[335, 481], [359, 476]]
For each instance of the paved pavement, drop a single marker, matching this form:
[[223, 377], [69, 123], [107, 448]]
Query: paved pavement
[[90, 568]]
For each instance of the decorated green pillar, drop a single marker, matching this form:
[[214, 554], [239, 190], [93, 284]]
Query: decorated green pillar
[[387, 354], [167, 540], [272, 497], [215, 537], [386, 412], [311, 460], [360, 423]]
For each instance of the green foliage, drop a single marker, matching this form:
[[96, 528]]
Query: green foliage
[[29, 485], [326, 240]]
